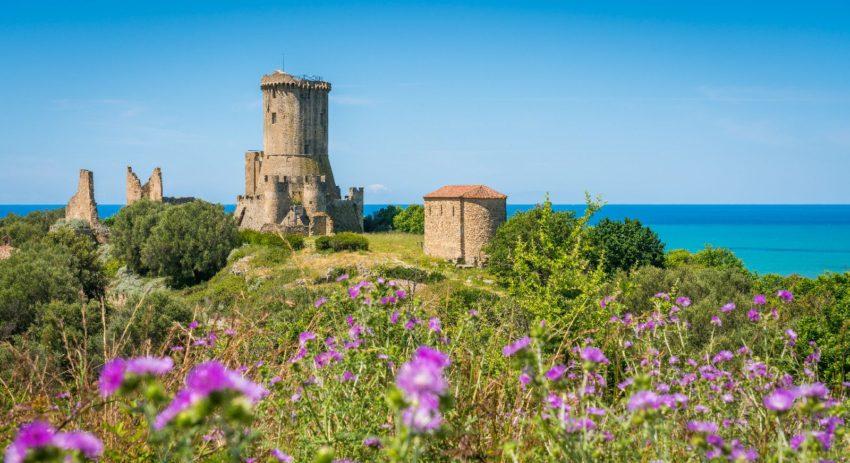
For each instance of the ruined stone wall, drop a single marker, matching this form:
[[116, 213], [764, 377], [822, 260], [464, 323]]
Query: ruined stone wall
[[481, 219], [152, 190], [443, 237], [82, 205], [345, 216]]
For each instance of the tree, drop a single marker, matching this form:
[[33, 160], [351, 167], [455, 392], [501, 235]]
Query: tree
[[625, 245], [552, 278], [28, 228], [382, 220], [526, 227], [410, 220], [35, 274], [84, 260], [190, 242], [132, 227], [709, 257]]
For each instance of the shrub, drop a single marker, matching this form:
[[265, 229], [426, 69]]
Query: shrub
[[410, 220], [34, 275], [190, 242], [132, 227], [28, 228], [552, 277], [709, 257], [625, 245], [147, 320], [84, 260], [382, 220], [345, 241], [527, 227], [294, 241], [410, 273]]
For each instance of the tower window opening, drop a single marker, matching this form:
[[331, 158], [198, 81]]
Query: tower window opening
[[274, 93], [274, 118]]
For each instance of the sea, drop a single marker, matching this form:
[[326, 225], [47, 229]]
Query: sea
[[785, 239]]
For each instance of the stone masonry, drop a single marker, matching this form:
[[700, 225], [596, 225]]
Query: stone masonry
[[82, 205], [289, 185], [152, 190], [460, 220]]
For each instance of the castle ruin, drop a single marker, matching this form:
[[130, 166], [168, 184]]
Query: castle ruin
[[82, 205], [152, 190], [460, 220], [289, 185]]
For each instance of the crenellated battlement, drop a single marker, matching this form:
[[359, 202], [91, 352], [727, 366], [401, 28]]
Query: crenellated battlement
[[280, 79]]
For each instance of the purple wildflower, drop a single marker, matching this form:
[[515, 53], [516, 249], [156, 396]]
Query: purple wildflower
[[780, 400], [715, 320], [643, 400], [702, 427], [683, 301], [555, 372], [320, 302], [278, 455], [305, 337], [728, 307], [753, 315], [342, 277], [723, 356], [516, 346], [434, 324], [759, 299], [205, 379], [592, 354], [193, 325], [154, 366], [422, 382], [372, 442], [785, 295], [792, 337], [39, 435], [112, 376]]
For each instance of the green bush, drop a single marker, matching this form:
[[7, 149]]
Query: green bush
[[382, 220], [190, 242], [84, 260], [294, 241], [410, 273], [132, 227], [527, 227], [410, 220], [34, 275], [28, 228], [709, 257], [345, 241], [147, 320], [625, 245]]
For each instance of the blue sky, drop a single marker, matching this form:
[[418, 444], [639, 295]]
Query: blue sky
[[640, 102]]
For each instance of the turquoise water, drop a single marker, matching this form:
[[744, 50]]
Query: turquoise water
[[785, 239]]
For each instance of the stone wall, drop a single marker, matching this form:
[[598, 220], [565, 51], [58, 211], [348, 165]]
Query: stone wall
[[152, 190], [82, 205], [443, 237], [481, 219]]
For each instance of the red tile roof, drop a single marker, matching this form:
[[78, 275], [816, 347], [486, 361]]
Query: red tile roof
[[465, 191]]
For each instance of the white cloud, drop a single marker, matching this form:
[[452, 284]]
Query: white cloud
[[377, 188]]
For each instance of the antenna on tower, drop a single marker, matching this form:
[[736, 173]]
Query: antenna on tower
[[283, 62]]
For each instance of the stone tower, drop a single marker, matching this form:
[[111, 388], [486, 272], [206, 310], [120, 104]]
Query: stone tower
[[152, 190], [295, 127], [82, 205], [289, 184]]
